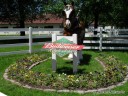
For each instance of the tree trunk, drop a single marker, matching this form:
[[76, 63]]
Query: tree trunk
[[96, 12], [21, 17], [96, 16], [22, 25]]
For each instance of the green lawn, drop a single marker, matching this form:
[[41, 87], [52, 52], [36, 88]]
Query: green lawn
[[20, 48], [89, 64]]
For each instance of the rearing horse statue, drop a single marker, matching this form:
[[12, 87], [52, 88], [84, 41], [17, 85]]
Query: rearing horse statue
[[72, 25]]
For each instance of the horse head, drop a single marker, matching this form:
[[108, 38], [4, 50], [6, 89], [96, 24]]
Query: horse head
[[71, 22], [69, 15]]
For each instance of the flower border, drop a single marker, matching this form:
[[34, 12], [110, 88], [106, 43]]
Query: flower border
[[65, 90]]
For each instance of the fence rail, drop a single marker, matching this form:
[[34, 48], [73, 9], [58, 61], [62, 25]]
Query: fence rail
[[104, 40], [108, 41]]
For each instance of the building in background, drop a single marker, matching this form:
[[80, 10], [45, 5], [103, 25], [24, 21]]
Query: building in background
[[50, 21]]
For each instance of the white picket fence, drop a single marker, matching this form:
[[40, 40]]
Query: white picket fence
[[108, 39], [31, 33], [104, 40]]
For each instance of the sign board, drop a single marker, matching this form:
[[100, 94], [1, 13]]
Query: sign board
[[63, 45]]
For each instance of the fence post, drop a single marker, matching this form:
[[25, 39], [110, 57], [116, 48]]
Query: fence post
[[30, 40], [100, 41]]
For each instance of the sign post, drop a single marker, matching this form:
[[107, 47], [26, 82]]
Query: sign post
[[54, 65], [75, 55], [62, 45]]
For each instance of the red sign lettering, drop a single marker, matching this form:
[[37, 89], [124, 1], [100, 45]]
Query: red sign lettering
[[63, 46]]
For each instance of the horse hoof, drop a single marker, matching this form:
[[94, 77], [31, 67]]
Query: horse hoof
[[70, 56], [67, 58]]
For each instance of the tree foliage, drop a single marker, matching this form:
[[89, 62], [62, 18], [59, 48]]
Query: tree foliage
[[19, 11], [101, 12]]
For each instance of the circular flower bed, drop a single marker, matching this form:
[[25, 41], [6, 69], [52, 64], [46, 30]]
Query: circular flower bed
[[113, 73]]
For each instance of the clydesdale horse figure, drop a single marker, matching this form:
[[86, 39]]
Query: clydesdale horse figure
[[72, 25]]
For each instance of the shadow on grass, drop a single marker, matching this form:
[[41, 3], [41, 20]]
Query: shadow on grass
[[69, 70], [85, 61]]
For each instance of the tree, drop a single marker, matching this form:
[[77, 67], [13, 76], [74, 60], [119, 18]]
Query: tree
[[101, 12], [120, 12], [19, 11], [6, 10]]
